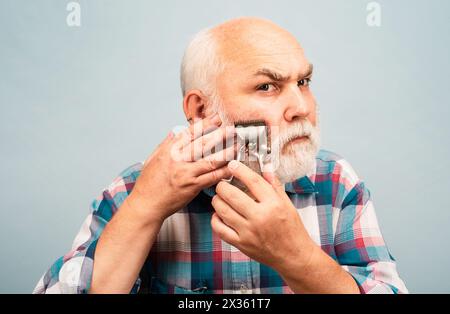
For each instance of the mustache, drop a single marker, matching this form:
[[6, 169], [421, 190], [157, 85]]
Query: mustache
[[302, 128], [299, 128]]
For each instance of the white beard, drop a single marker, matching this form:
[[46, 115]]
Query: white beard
[[295, 160], [290, 161]]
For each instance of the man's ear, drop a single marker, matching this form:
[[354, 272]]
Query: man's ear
[[194, 105]]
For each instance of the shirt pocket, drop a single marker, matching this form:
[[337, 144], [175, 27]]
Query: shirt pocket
[[157, 286]]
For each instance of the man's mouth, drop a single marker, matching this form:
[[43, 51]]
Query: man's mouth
[[299, 139], [296, 140]]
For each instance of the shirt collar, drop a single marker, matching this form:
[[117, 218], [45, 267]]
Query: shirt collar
[[302, 185]]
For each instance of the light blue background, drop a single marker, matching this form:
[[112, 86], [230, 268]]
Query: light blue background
[[78, 105]]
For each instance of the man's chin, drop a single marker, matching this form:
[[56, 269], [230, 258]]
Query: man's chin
[[292, 167]]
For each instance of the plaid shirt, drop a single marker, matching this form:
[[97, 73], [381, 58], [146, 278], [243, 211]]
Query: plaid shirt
[[188, 257]]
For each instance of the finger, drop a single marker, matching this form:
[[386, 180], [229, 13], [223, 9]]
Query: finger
[[197, 129], [223, 231], [259, 187], [271, 177], [227, 214], [235, 198], [222, 138], [211, 178], [214, 161], [217, 140]]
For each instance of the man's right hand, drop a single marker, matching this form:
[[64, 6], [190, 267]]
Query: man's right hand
[[180, 168], [172, 176]]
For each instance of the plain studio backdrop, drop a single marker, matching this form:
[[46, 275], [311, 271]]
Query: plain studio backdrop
[[80, 104]]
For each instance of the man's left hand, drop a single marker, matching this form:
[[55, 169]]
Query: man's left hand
[[267, 228]]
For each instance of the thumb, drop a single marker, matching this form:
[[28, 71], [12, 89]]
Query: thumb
[[271, 177]]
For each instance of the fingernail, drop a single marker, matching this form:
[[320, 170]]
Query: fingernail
[[233, 164]]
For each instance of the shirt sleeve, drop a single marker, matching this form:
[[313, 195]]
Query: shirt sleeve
[[360, 247], [72, 273]]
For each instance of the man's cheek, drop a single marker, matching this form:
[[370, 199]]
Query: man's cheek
[[312, 117]]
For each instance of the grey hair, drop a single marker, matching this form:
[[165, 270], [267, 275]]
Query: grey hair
[[201, 64]]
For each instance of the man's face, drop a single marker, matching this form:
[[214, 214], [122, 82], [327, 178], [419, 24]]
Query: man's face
[[268, 80]]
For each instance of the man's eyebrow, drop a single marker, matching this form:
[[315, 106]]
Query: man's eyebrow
[[275, 76], [308, 72]]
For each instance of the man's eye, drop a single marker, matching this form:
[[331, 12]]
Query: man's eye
[[304, 82], [268, 87]]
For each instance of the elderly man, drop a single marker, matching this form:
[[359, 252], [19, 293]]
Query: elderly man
[[173, 225]]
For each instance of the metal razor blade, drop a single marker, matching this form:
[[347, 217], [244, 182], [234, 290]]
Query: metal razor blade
[[253, 147]]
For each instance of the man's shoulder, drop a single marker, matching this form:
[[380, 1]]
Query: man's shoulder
[[331, 163], [328, 156], [335, 178], [125, 180], [115, 193], [132, 171]]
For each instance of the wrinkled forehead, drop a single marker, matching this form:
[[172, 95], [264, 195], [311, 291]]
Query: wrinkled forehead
[[244, 56]]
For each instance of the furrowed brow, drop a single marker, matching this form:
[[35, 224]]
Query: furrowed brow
[[307, 73], [273, 75]]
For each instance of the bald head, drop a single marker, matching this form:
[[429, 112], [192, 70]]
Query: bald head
[[232, 42], [250, 35]]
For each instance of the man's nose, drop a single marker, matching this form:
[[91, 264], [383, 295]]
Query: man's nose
[[296, 105]]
